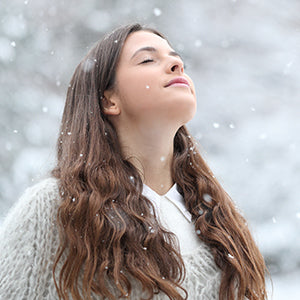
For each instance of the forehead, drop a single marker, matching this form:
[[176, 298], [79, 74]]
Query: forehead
[[140, 39]]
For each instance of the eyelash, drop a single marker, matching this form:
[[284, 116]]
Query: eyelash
[[146, 61], [151, 60]]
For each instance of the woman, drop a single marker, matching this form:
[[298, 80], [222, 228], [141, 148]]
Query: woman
[[131, 210]]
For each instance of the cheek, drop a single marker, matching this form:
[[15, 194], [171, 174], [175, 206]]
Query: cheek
[[138, 91]]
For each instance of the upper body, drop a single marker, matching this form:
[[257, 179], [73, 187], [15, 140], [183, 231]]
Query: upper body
[[122, 134], [29, 240]]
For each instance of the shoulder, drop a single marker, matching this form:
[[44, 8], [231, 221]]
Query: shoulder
[[45, 191], [48, 187], [38, 201], [44, 196]]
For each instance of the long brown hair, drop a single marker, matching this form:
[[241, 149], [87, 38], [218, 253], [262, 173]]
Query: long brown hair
[[109, 232]]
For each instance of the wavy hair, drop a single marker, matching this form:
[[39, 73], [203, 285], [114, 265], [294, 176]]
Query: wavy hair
[[109, 233]]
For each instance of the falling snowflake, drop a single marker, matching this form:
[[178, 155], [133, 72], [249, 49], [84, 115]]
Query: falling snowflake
[[200, 212], [157, 11], [198, 43], [207, 198], [262, 136]]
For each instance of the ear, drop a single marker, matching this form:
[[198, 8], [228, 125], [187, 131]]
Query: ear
[[111, 103]]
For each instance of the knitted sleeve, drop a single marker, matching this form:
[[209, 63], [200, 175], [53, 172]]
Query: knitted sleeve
[[28, 243]]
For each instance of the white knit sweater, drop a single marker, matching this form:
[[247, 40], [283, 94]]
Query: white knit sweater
[[29, 240]]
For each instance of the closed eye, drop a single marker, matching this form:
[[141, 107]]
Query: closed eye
[[146, 61]]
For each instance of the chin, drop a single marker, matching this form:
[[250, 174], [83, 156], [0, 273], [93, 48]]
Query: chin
[[182, 110], [189, 110], [186, 116]]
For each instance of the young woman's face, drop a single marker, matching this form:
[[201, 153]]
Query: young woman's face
[[144, 86]]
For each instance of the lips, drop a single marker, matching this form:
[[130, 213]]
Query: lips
[[178, 80]]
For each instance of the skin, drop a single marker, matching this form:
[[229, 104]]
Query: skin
[[146, 113]]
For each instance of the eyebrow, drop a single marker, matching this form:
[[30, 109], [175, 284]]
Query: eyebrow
[[152, 49]]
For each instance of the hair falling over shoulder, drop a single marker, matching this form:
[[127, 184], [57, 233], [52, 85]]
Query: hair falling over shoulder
[[109, 233]]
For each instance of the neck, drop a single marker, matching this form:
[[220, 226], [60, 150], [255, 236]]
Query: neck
[[151, 152]]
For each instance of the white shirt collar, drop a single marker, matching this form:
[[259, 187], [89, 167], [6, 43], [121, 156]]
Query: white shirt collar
[[172, 195]]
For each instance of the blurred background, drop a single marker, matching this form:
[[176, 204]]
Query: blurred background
[[244, 58]]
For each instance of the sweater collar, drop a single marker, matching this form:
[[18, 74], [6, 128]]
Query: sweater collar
[[172, 195]]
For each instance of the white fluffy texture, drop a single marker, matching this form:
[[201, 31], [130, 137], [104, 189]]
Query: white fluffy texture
[[28, 243]]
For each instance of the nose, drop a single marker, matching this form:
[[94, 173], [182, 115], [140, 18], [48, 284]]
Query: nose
[[176, 66]]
